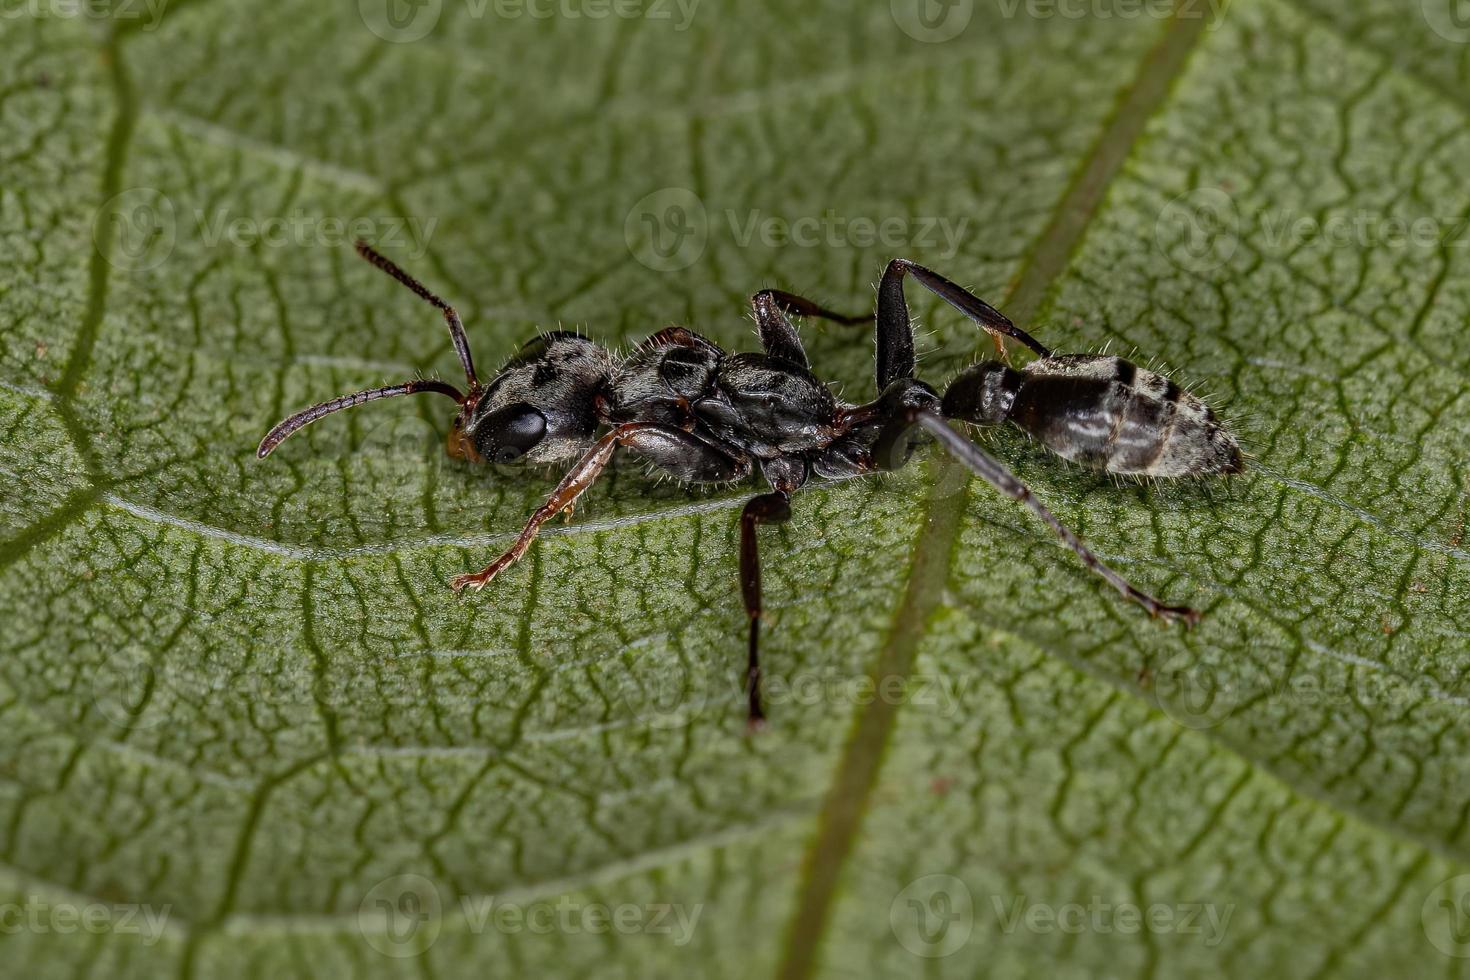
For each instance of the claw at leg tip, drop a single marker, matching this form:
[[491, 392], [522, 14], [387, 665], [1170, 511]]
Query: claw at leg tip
[[1189, 617], [1182, 614], [464, 583]]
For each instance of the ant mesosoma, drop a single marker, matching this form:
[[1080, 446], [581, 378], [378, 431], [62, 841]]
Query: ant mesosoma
[[706, 416]]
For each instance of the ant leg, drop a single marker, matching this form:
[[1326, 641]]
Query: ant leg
[[768, 508], [678, 337], [690, 457], [801, 306], [686, 455], [581, 476], [1003, 480], [894, 331], [778, 336], [893, 311]]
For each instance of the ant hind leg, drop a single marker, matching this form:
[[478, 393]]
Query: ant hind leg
[[990, 469], [893, 309]]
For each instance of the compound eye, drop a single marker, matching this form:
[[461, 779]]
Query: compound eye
[[508, 433]]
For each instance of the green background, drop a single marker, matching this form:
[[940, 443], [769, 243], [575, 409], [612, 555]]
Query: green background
[[241, 694]]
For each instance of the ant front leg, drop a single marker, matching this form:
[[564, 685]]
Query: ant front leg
[[894, 331], [684, 454], [572, 486], [895, 334]]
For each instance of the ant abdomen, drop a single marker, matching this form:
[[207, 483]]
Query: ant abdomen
[[1101, 411]]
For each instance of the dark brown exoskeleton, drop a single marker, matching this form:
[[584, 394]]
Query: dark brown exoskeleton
[[710, 417]]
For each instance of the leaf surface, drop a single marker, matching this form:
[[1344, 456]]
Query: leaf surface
[[241, 691]]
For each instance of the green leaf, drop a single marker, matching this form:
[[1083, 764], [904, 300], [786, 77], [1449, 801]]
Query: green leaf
[[251, 732]]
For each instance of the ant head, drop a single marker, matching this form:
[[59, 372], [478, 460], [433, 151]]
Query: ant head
[[540, 408], [982, 393]]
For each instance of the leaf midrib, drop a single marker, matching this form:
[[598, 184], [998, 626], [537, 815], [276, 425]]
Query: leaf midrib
[[858, 770]]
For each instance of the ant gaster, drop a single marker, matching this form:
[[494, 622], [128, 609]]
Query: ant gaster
[[706, 416]]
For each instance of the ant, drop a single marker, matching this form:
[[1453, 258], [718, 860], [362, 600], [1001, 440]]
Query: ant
[[709, 417]]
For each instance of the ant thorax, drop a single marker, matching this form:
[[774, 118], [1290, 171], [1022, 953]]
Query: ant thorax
[[662, 378]]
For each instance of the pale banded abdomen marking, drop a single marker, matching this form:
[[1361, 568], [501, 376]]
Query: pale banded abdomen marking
[[1109, 413]]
